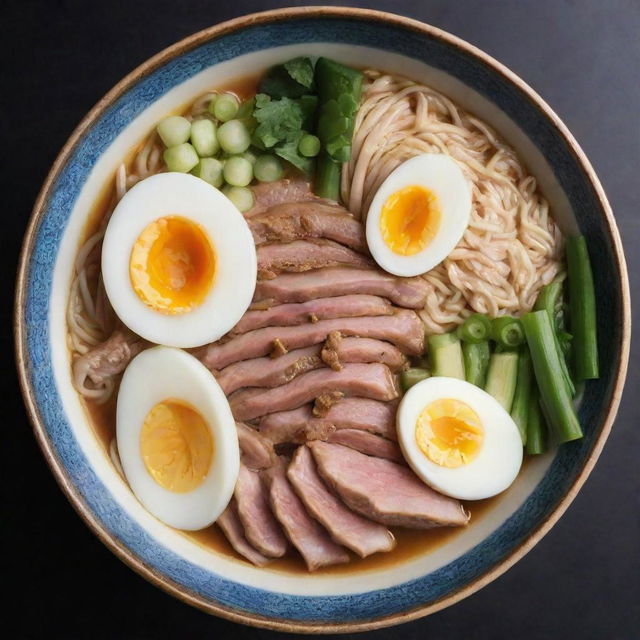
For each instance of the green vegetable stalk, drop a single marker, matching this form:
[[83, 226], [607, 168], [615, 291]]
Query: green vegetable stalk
[[476, 360], [476, 328], [224, 107], [555, 396], [327, 183], [549, 299], [507, 332], [502, 377], [412, 376], [445, 354], [521, 399], [583, 309], [536, 428], [339, 88]]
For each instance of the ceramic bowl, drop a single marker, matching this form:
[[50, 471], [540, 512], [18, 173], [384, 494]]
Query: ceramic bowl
[[217, 583]]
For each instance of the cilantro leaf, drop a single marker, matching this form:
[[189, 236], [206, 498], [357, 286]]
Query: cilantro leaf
[[301, 70], [281, 124], [262, 100], [284, 114], [278, 120], [289, 151], [289, 80]]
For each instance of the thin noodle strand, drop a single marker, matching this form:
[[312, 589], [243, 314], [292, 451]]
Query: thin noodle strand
[[511, 248]]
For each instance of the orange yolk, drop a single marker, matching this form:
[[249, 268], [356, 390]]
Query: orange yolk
[[176, 446], [409, 220], [172, 265], [449, 432]]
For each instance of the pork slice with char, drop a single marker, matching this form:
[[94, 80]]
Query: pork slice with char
[[286, 315], [346, 527], [383, 490], [350, 413], [338, 281], [403, 329], [269, 372], [361, 380], [256, 451], [260, 526], [323, 403], [307, 536], [110, 358], [338, 350], [273, 372], [313, 428], [271, 194], [297, 220], [304, 255], [367, 443], [230, 524], [296, 426]]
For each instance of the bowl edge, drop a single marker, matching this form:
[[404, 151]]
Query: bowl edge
[[182, 46]]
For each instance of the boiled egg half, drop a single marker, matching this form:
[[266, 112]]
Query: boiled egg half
[[176, 438], [458, 438], [418, 214], [178, 261]]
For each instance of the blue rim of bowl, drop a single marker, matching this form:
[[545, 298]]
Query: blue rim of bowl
[[354, 612]]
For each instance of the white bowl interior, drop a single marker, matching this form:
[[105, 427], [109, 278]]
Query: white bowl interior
[[103, 172]]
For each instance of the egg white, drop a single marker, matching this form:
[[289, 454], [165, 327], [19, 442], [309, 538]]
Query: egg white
[[156, 375], [500, 457], [180, 194], [441, 175]]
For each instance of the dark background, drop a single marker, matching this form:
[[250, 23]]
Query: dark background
[[59, 57]]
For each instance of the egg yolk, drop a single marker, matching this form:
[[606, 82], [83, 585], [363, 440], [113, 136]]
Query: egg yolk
[[176, 446], [409, 220], [449, 432], [172, 265]]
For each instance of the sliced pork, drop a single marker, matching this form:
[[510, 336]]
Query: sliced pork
[[338, 350], [361, 380], [110, 358], [338, 281], [366, 415], [367, 443], [350, 413], [271, 194], [345, 527], [403, 328], [296, 220], [232, 528], [303, 255], [286, 315], [383, 490], [256, 451], [269, 372], [297, 426], [307, 536], [273, 372], [260, 526], [302, 427]]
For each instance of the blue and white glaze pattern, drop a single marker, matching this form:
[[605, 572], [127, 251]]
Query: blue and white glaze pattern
[[564, 468]]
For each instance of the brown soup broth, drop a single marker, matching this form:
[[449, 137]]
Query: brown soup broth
[[411, 543]]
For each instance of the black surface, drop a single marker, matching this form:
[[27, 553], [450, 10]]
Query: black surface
[[59, 57]]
